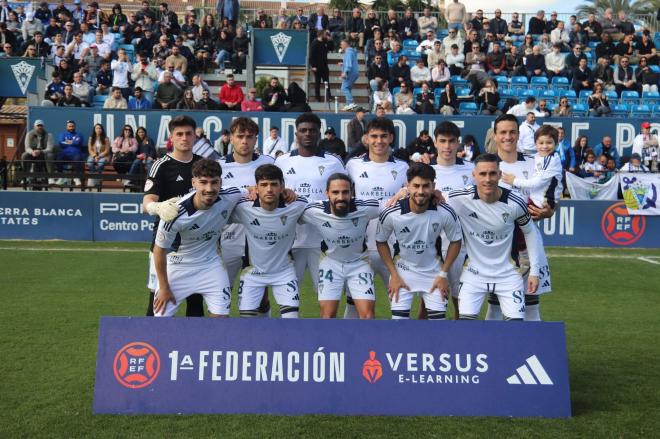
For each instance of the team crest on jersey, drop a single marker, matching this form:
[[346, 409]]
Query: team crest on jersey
[[355, 221], [505, 217], [394, 174], [526, 174], [465, 179], [283, 219], [435, 227], [224, 214], [148, 185], [321, 169]]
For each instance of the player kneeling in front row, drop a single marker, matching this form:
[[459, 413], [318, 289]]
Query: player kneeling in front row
[[342, 222], [489, 214], [195, 265], [417, 222], [270, 227]]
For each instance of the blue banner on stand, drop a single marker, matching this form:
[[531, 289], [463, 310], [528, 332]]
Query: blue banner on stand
[[280, 47], [19, 76], [339, 367]]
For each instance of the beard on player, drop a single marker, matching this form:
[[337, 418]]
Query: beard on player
[[340, 207]]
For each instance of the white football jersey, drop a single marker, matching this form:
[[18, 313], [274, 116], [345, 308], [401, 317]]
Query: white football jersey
[[449, 178], [344, 236], [239, 175], [418, 234], [270, 234], [379, 181], [522, 168], [488, 230], [194, 234], [545, 184], [307, 177]]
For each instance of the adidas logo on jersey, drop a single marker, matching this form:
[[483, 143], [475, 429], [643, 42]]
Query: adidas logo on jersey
[[194, 227], [179, 178], [255, 222], [291, 172], [405, 230], [474, 215], [531, 373], [364, 175], [326, 224], [229, 175]]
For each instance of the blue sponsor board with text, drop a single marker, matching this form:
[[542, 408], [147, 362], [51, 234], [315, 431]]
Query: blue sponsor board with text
[[340, 367]]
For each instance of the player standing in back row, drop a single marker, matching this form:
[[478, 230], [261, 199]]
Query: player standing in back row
[[306, 171], [171, 177]]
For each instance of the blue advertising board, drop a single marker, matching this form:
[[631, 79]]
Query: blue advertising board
[[339, 367], [118, 217], [19, 75], [280, 47], [623, 131]]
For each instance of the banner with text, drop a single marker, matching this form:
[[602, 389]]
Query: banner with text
[[640, 193], [313, 366], [622, 131], [19, 76]]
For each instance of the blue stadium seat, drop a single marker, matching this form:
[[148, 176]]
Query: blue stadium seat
[[468, 108], [436, 101], [507, 94], [462, 91], [651, 97], [560, 83], [442, 33], [656, 110], [551, 106], [641, 111], [438, 91], [629, 97], [620, 110], [539, 83], [655, 68], [519, 82], [521, 93], [416, 91], [567, 93], [396, 90], [410, 43], [501, 80], [584, 94], [458, 81], [612, 96], [580, 109], [592, 44], [549, 95], [99, 100]]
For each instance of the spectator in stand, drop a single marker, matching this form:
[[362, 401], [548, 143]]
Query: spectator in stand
[[551, 24], [561, 36], [208, 33], [54, 89], [646, 145], [377, 72], [121, 67], [646, 48], [230, 95], [68, 99], [535, 65], [477, 20], [420, 74], [555, 62], [167, 94], [82, 90], [240, 47], [448, 101], [225, 48], [423, 146], [440, 75], [146, 153], [318, 60], [337, 27], [425, 100], [455, 15], [384, 109], [177, 77], [382, 93], [297, 99], [207, 103], [143, 75], [355, 130], [608, 149], [435, 54], [608, 24], [400, 72], [590, 169], [274, 96], [187, 102], [582, 77], [223, 144], [524, 108], [333, 144], [626, 48], [198, 85], [496, 61], [376, 48], [593, 28], [408, 29], [624, 78], [543, 108], [228, 9], [404, 100], [115, 101], [71, 151], [355, 29], [124, 149], [573, 60], [527, 129], [598, 103], [455, 60], [394, 53], [516, 28], [139, 101], [566, 153], [563, 109], [634, 165], [647, 79], [300, 17], [177, 60], [453, 38], [578, 36], [537, 24], [251, 103], [104, 79], [604, 75], [515, 64], [30, 26], [349, 73], [610, 170], [606, 48], [371, 25], [489, 99], [39, 150], [98, 150], [65, 70], [274, 143], [426, 46], [581, 148]]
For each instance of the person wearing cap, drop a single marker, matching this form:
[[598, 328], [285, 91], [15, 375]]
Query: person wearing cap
[[30, 26], [646, 145], [333, 144], [39, 150], [251, 103], [102, 48], [634, 164]]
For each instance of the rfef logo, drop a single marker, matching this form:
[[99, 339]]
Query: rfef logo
[[372, 370], [619, 227], [136, 365]]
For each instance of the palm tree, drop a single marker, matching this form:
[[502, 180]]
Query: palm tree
[[631, 7]]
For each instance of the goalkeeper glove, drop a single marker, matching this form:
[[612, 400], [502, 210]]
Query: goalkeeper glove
[[167, 210]]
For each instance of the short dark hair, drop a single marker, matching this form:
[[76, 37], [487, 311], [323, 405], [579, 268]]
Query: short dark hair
[[308, 118], [487, 158], [530, 99], [205, 167], [230, 75], [339, 176], [547, 130], [380, 123], [182, 121], [504, 118], [446, 128], [421, 170], [268, 172], [244, 124]]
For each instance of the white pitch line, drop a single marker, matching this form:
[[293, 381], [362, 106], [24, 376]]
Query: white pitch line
[[650, 259]]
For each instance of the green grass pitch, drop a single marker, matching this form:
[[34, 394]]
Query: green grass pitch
[[53, 294]]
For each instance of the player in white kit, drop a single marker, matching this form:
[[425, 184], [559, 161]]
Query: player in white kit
[[377, 174], [417, 222], [489, 215], [306, 171], [195, 266], [342, 222], [270, 228], [506, 134]]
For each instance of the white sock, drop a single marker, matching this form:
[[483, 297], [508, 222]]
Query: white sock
[[494, 312], [351, 312], [290, 315], [533, 313]]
